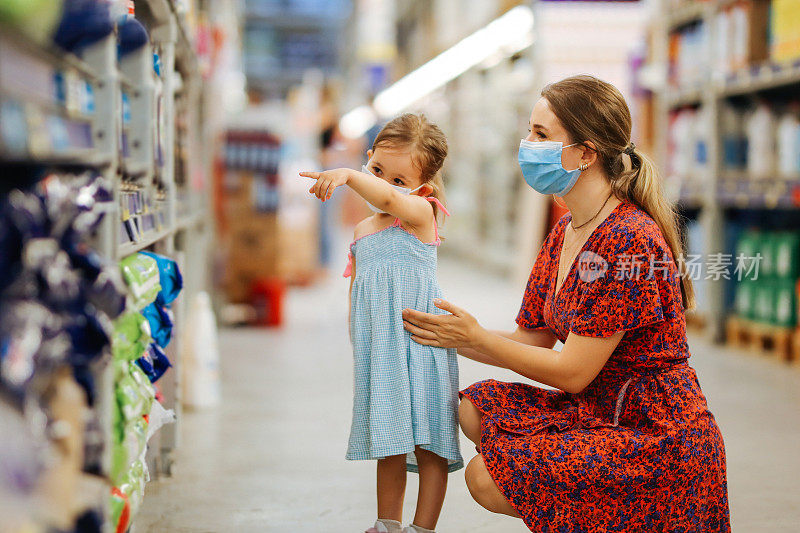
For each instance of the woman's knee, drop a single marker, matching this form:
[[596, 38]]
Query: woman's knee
[[470, 419], [484, 490]]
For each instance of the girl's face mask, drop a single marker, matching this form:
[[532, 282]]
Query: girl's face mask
[[402, 190], [541, 167]]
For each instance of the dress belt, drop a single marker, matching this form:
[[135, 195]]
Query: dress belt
[[654, 371]]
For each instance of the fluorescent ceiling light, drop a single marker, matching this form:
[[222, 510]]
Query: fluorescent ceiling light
[[504, 36], [501, 35], [356, 122]]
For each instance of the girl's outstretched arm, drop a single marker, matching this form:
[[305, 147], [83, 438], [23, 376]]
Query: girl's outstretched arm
[[409, 208]]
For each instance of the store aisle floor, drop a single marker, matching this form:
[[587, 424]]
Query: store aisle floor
[[271, 457]]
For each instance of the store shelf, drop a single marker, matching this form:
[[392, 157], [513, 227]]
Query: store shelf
[[692, 194], [686, 14], [676, 98], [56, 57], [738, 193], [161, 10], [150, 239], [189, 222], [761, 78]]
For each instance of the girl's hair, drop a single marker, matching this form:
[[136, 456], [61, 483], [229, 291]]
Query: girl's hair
[[427, 144], [594, 110]]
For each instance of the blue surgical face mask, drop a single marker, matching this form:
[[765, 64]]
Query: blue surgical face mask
[[402, 190], [542, 169]]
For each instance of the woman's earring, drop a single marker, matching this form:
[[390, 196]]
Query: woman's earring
[[583, 166]]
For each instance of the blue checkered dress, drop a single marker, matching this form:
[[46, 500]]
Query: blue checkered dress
[[406, 394]]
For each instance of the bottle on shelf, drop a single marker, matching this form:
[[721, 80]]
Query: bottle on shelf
[[761, 142], [789, 142]]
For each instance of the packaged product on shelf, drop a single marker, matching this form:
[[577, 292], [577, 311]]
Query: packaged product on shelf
[[695, 246], [701, 134], [684, 144], [688, 55], [154, 362], [789, 142], [744, 300], [120, 511], [82, 24], [734, 141], [785, 303], [169, 277], [764, 301], [131, 336], [200, 355], [785, 31], [142, 276], [760, 127], [158, 417], [160, 323], [766, 247], [747, 35], [787, 255], [57, 305]]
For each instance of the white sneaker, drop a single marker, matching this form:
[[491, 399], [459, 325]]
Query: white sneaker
[[380, 527], [410, 529]]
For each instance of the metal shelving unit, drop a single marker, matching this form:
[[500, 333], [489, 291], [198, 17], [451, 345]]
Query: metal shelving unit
[[185, 239], [718, 190]]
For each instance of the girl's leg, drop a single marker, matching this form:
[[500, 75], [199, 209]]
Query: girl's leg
[[470, 419], [391, 487], [484, 490], [432, 487]]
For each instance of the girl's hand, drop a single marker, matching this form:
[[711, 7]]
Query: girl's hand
[[456, 330], [327, 181]]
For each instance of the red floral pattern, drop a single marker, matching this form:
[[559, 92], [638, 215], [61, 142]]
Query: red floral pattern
[[638, 449]]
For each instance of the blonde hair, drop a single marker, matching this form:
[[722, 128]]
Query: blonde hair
[[427, 144], [594, 110]]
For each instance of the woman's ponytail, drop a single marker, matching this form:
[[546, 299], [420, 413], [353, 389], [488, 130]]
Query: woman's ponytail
[[640, 184]]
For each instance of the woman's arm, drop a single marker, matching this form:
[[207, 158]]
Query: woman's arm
[[412, 209], [570, 370], [531, 337]]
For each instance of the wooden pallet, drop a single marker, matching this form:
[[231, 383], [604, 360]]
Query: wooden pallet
[[796, 346], [695, 321], [758, 338]]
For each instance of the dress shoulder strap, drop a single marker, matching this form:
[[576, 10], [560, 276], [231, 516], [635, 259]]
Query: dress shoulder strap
[[435, 224]]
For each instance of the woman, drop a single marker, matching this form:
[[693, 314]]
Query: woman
[[627, 443]]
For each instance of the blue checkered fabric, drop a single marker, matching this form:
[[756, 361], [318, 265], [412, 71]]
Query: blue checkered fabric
[[406, 394]]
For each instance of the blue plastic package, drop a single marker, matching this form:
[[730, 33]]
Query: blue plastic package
[[154, 362], [169, 277], [160, 323]]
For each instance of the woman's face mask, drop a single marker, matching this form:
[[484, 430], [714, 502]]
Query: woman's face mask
[[541, 167], [402, 190]]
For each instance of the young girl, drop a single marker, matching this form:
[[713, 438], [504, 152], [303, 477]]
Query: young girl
[[406, 394]]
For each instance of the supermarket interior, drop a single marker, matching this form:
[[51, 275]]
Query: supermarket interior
[[180, 351]]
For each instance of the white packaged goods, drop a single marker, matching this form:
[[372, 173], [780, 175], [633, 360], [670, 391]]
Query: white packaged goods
[[200, 356]]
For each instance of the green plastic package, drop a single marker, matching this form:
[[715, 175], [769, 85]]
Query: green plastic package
[[131, 336], [142, 276]]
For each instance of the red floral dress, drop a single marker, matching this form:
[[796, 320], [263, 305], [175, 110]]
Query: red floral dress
[[638, 449]]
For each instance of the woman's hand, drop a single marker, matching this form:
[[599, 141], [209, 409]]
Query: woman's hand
[[327, 181], [456, 330]]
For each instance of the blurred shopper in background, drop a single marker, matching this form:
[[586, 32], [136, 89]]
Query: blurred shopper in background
[[628, 442]]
